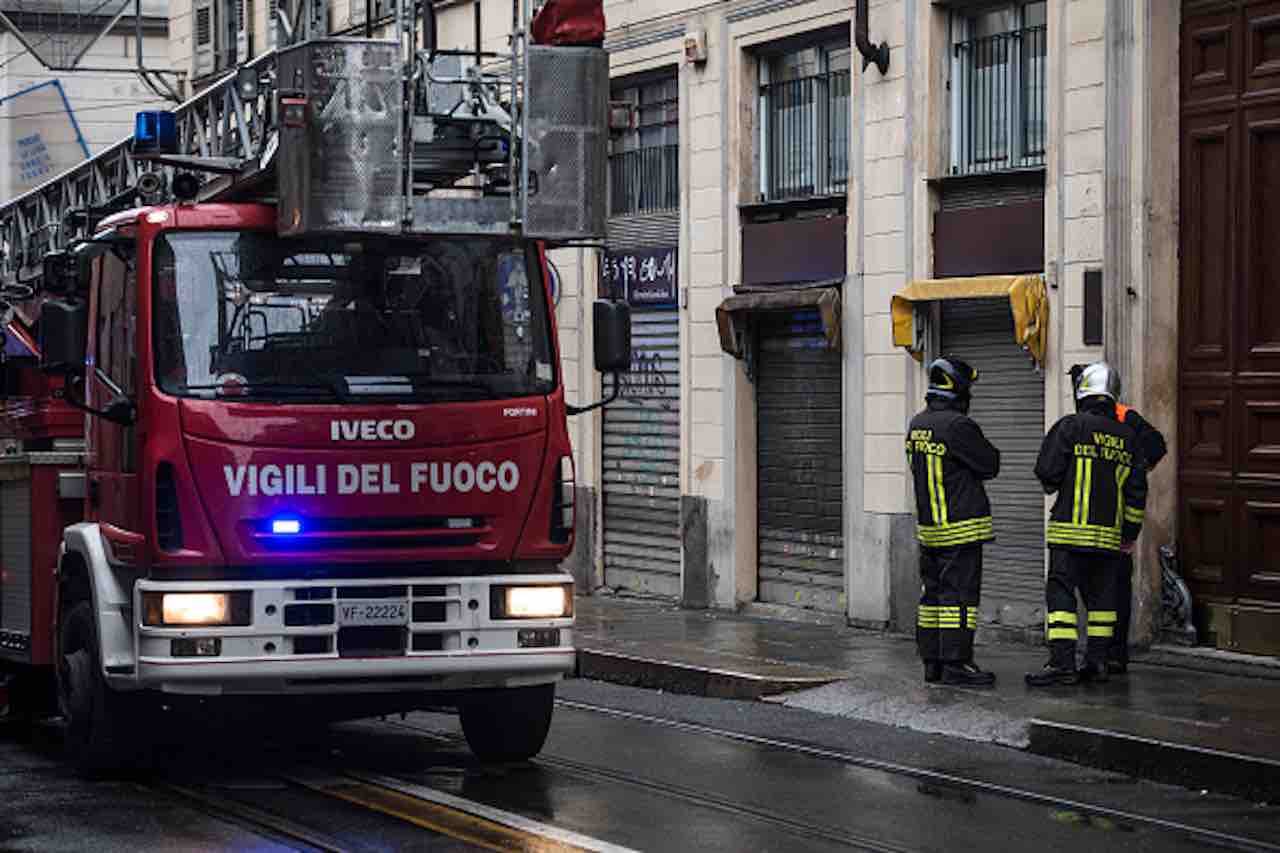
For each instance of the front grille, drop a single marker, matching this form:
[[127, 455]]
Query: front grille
[[300, 615], [374, 533], [428, 642], [370, 642], [365, 592], [312, 645], [430, 611], [304, 545]]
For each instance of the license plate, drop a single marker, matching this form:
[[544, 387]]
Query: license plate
[[373, 613]]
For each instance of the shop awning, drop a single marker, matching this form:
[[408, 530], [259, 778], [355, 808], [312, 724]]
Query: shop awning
[[1028, 300], [731, 313]]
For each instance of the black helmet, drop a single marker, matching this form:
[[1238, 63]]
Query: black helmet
[[950, 379]]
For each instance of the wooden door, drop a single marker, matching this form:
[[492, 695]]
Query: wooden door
[[1229, 420]]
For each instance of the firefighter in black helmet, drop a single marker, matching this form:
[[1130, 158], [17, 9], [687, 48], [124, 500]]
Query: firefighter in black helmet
[[950, 458], [1153, 450], [1096, 465]]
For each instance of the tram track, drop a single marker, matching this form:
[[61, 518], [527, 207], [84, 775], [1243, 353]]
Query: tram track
[[940, 780], [932, 782]]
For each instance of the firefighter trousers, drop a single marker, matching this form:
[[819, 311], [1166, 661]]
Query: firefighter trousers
[[950, 581], [1119, 649], [1096, 575]]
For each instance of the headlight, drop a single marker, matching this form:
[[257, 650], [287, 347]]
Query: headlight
[[532, 602], [196, 608]]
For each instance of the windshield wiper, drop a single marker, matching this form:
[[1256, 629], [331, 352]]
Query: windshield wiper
[[419, 382], [257, 389]]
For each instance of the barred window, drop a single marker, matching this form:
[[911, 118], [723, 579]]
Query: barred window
[[805, 113], [998, 89]]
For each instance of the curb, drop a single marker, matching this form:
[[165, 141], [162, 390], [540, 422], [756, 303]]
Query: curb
[[672, 677], [1249, 776]]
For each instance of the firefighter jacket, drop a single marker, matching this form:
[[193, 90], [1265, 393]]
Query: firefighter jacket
[[1149, 438], [950, 457], [1096, 466]]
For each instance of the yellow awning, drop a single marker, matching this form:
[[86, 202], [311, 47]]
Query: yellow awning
[[1028, 300]]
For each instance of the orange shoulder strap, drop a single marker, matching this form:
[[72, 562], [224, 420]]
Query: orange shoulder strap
[[1122, 411]]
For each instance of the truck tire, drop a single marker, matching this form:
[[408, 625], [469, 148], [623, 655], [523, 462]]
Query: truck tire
[[509, 724], [102, 735]]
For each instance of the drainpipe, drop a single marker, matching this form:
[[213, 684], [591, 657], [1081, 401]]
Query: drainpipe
[[870, 52]]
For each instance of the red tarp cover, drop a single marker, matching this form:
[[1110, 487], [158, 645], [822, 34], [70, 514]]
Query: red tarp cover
[[570, 22]]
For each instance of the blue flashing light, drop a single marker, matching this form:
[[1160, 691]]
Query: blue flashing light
[[286, 526], [155, 132]]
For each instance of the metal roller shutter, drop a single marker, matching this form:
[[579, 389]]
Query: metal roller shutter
[[633, 232], [1008, 403], [642, 462], [800, 492]]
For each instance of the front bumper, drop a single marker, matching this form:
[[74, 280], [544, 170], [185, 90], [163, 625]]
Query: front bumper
[[449, 643]]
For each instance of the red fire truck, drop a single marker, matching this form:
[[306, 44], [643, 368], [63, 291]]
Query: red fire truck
[[298, 429]]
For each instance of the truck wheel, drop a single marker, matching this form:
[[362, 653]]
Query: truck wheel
[[509, 724], [102, 735]]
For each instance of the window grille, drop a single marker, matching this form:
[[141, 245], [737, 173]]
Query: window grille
[[998, 90]]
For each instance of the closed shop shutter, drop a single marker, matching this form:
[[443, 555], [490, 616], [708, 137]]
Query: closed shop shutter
[[1008, 403], [642, 462], [800, 488], [633, 232]]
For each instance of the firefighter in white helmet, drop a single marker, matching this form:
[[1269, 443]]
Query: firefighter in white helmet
[[1095, 464]]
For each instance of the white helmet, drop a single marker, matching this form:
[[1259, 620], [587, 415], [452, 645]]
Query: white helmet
[[1099, 380]]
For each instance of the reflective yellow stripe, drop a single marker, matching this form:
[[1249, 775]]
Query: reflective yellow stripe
[[942, 492], [1067, 616], [1085, 536], [972, 618], [1134, 516], [1088, 489], [1122, 474], [1063, 634], [1101, 631], [1075, 506], [933, 489], [1103, 616], [927, 616], [960, 533]]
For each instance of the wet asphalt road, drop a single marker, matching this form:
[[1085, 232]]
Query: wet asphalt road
[[624, 767]]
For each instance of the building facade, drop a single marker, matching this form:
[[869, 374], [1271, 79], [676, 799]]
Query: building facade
[[1028, 184], [52, 120]]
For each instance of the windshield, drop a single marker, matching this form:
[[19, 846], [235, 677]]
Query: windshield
[[250, 314]]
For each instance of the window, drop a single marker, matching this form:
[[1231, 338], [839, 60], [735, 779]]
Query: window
[[221, 35], [998, 89], [804, 122], [116, 353], [644, 163]]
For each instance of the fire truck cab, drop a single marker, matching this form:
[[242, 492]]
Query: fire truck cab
[[309, 446]]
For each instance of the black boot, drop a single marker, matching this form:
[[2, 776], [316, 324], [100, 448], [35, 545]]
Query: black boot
[[1053, 675], [1117, 667], [967, 675], [932, 671], [1095, 673]]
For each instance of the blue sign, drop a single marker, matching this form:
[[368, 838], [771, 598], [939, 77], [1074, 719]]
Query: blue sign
[[641, 276]]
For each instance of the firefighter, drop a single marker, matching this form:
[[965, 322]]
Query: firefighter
[[950, 458], [1153, 450], [1095, 464]]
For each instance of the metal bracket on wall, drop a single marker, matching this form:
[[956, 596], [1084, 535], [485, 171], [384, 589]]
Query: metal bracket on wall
[[879, 54]]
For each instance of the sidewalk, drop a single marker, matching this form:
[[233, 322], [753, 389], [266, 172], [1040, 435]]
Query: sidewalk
[[1163, 721]]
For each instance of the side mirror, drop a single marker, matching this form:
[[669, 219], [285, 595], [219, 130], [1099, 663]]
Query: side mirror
[[612, 336], [61, 272], [64, 330], [120, 410]]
